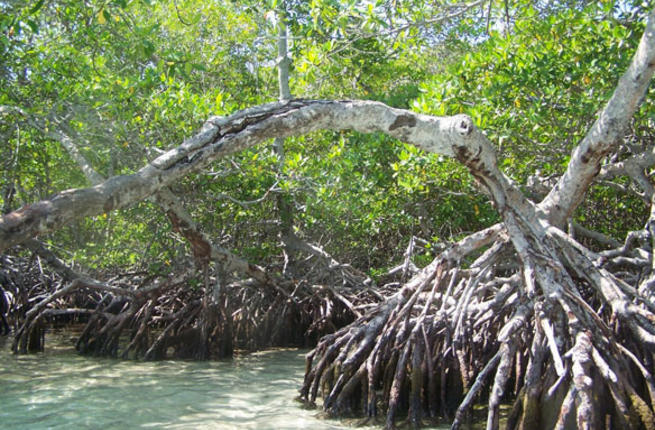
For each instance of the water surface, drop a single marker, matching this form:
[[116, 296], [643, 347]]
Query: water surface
[[60, 389]]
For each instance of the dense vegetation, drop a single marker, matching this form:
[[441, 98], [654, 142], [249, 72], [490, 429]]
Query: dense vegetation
[[125, 79], [335, 223]]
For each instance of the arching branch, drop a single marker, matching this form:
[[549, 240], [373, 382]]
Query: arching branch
[[451, 136]]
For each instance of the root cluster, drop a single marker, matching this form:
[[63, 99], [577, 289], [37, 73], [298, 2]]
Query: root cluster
[[192, 315], [568, 344]]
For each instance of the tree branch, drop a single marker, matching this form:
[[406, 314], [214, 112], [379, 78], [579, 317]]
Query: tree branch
[[451, 136], [605, 133]]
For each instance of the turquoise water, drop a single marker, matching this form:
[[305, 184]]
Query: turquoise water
[[60, 389]]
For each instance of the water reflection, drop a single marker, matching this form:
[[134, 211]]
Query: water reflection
[[59, 389]]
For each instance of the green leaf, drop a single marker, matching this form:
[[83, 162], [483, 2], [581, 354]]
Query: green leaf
[[36, 7], [33, 26], [148, 48]]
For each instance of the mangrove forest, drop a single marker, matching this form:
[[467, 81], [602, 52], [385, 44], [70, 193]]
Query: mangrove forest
[[449, 204]]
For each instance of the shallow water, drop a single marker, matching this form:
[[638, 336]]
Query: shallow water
[[60, 389]]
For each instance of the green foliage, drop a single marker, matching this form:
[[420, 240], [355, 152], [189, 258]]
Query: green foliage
[[536, 91], [127, 79]]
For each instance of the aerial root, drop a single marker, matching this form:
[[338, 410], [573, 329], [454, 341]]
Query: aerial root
[[456, 336], [168, 319]]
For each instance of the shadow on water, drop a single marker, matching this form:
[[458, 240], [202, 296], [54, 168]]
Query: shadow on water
[[60, 389]]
